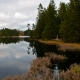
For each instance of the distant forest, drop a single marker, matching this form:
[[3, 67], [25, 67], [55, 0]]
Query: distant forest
[[8, 32], [63, 22]]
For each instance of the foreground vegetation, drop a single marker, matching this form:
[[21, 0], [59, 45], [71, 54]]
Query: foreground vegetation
[[40, 70], [71, 74]]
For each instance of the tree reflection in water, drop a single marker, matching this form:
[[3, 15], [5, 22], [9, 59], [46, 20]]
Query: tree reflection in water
[[56, 72], [31, 48]]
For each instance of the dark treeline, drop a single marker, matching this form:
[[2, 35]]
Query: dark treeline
[[8, 32], [63, 22], [9, 40], [29, 32]]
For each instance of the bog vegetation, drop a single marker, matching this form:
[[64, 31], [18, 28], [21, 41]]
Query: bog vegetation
[[40, 70]]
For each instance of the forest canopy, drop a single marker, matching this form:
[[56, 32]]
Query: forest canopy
[[64, 21]]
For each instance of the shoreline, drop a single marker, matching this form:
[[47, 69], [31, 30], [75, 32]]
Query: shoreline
[[15, 37], [61, 45]]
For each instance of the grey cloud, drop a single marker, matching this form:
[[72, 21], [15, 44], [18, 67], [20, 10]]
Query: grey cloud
[[17, 13], [8, 1]]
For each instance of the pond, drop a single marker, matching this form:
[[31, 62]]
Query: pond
[[16, 55], [15, 58]]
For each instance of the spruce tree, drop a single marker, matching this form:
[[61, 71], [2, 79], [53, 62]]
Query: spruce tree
[[71, 26], [62, 11], [40, 22], [51, 27], [63, 14]]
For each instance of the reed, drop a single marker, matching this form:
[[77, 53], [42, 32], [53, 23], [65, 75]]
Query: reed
[[56, 57], [61, 45], [39, 70], [71, 74]]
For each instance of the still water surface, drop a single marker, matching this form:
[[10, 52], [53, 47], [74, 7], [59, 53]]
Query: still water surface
[[14, 58], [16, 55]]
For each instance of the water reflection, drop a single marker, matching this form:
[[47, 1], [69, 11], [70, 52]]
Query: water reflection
[[16, 55], [73, 56], [13, 40], [14, 58], [56, 72], [41, 49], [9, 40]]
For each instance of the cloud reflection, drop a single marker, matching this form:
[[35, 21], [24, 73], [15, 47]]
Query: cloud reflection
[[18, 49], [14, 58]]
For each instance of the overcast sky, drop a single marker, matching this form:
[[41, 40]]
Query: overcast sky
[[16, 14]]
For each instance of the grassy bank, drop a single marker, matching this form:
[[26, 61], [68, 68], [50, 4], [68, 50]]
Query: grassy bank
[[61, 45]]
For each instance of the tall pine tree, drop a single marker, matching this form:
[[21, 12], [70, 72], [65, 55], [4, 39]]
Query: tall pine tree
[[71, 26], [51, 27], [63, 14], [40, 22]]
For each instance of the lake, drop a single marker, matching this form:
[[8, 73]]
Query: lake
[[16, 55]]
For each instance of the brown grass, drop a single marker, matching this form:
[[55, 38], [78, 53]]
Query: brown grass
[[39, 69], [72, 74], [61, 45], [55, 57]]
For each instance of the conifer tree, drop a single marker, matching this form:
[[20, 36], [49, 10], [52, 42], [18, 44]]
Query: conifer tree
[[63, 14], [62, 11], [40, 22], [51, 28], [71, 26]]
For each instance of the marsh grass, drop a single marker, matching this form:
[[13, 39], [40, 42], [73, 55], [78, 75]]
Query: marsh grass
[[61, 45], [39, 70], [55, 57], [71, 74]]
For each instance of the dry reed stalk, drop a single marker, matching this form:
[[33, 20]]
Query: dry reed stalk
[[56, 57], [39, 69], [72, 74], [62, 46]]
